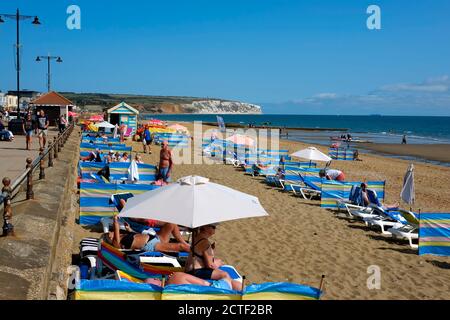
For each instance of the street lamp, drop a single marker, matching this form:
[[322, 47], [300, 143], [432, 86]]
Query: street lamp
[[49, 58], [18, 17]]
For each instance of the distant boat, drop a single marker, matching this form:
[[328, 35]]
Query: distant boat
[[350, 140]]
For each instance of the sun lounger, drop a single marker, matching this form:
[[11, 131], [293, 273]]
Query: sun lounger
[[152, 265], [408, 231], [385, 219], [336, 195]]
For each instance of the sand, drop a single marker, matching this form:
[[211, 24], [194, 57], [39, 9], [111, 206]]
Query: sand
[[300, 241], [436, 152]]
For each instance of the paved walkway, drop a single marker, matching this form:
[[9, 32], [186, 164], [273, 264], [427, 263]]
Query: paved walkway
[[13, 154], [34, 260]]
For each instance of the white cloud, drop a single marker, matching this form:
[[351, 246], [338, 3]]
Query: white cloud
[[430, 97]]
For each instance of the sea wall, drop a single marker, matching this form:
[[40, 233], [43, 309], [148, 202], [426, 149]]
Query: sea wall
[[34, 261]]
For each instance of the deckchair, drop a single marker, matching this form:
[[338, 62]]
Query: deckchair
[[311, 188], [336, 194], [409, 231], [434, 234], [356, 207], [139, 265]]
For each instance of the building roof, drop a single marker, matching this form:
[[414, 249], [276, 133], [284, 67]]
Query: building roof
[[52, 99], [123, 108]]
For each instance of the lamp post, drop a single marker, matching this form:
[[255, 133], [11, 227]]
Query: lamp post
[[49, 58], [18, 17]]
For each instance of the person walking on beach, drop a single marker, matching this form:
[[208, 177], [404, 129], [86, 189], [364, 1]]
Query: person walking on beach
[[165, 162], [62, 123], [122, 132], [42, 128], [404, 139], [147, 140], [27, 127]]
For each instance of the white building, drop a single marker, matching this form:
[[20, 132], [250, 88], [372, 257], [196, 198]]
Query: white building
[[2, 99]]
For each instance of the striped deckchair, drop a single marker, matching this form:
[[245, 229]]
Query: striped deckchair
[[333, 192], [434, 233], [281, 291], [95, 199], [115, 290], [116, 259], [341, 154], [119, 171]]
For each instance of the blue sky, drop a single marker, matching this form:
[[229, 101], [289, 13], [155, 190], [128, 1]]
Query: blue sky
[[290, 56]]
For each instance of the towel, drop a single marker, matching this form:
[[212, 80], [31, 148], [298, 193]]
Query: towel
[[133, 172], [116, 128]]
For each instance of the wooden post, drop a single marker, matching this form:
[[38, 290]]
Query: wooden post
[[243, 285], [50, 157], [30, 193], [41, 164], [55, 148], [322, 282], [6, 195], [58, 142]]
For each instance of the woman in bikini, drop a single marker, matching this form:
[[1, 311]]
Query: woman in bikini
[[201, 262], [137, 241]]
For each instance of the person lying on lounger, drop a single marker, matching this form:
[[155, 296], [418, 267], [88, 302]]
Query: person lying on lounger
[[185, 278], [202, 263], [94, 156], [367, 202], [138, 241]]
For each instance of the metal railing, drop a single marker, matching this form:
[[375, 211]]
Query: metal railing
[[12, 188]]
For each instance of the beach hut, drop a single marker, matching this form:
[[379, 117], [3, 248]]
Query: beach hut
[[54, 105], [123, 114]]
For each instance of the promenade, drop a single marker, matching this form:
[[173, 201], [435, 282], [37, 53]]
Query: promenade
[[33, 261], [13, 154]]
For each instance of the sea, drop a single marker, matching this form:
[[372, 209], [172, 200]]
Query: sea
[[374, 128]]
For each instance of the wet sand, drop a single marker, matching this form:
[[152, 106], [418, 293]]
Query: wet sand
[[435, 152]]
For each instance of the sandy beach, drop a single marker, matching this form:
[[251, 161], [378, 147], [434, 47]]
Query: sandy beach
[[300, 241]]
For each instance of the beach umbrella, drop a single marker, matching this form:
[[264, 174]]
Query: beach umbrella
[[408, 193], [155, 122], [241, 139], [105, 124], [96, 118], [193, 201], [311, 154], [178, 127]]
